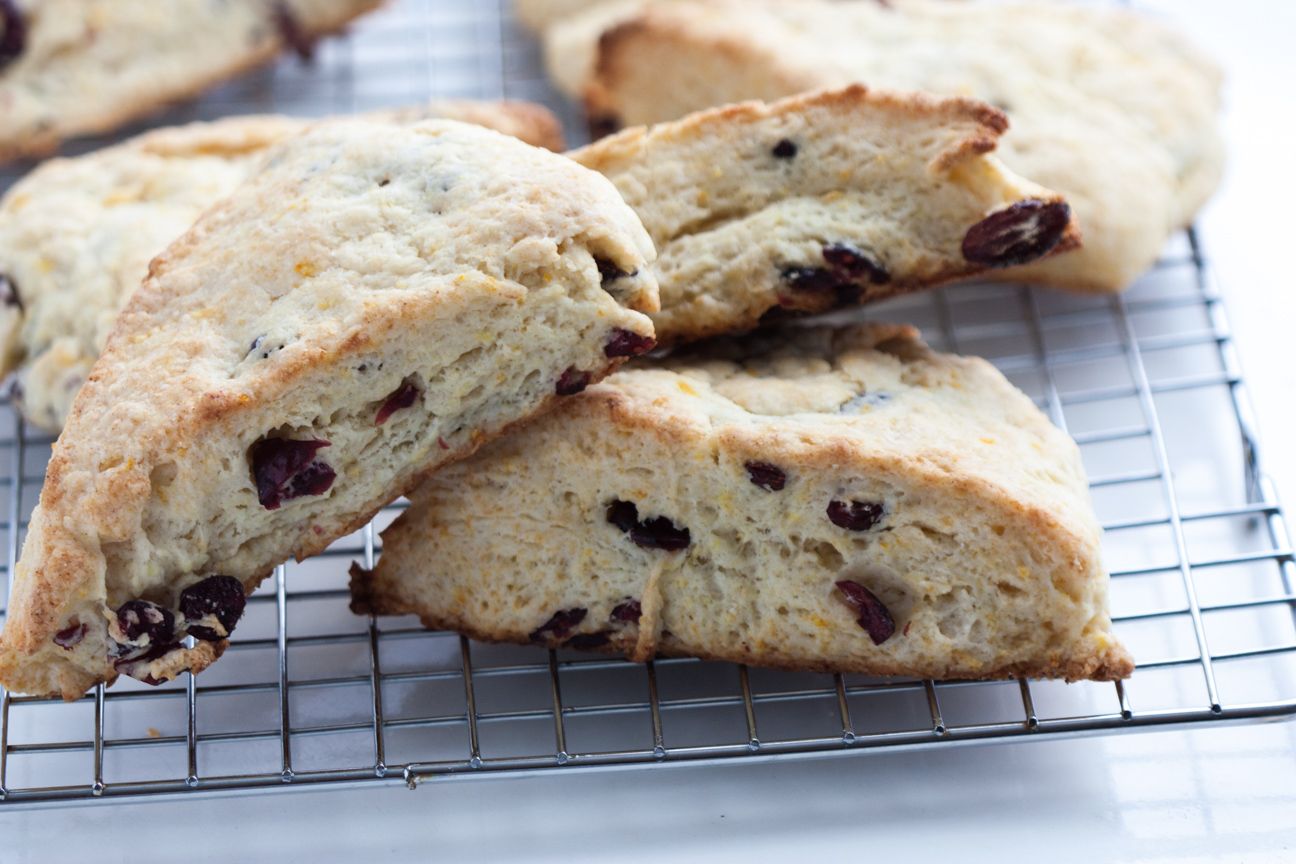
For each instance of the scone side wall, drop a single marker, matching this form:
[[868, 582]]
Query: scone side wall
[[756, 582], [202, 365]]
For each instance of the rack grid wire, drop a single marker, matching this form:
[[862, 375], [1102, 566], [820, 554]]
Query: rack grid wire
[[1203, 580]]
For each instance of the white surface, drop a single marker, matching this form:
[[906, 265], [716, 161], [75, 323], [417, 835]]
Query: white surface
[[1222, 794]]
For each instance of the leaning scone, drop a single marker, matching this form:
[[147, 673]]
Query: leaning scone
[[824, 200], [1114, 110], [77, 67], [832, 500], [377, 302], [77, 234]]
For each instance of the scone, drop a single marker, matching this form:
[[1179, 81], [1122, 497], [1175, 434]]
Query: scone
[[1114, 110], [824, 200], [831, 500], [76, 67], [377, 301], [76, 235]]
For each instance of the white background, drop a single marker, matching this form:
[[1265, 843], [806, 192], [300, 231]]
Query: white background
[[1220, 794]]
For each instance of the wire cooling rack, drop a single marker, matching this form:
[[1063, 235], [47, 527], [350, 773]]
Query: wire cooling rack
[[1147, 383]]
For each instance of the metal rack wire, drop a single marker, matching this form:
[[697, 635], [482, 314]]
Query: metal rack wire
[[1203, 576]]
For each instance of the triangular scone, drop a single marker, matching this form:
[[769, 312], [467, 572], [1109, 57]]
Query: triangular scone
[[824, 200], [1115, 110], [833, 500], [378, 301], [75, 67], [77, 235]]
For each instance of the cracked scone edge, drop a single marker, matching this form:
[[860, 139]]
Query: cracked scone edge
[[150, 488], [519, 543]]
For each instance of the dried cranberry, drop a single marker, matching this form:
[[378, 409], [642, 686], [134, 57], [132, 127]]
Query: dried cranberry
[[291, 31], [1017, 234], [9, 289], [572, 382], [820, 289], [623, 514], [660, 533], [609, 272], [846, 260], [766, 476], [785, 149], [69, 637], [629, 612], [403, 398], [139, 618], [284, 469], [220, 597], [855, 515], [559, 626], [655, 533], [874, 617], [587, 641], [810, 278], [602, 125], [624, 343], [13, 35]]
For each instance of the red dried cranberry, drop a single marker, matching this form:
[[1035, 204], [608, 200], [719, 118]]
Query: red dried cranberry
[[846, 260], [810, 278], [629, 612], [874, 617], [284, 469], [10, 292], [1017, 234], [587, 641], [785, 149], [623, 514], [559, 626], [660, 533], [855, 515], [572, 382], [291, 31], [609, 272], [139, 618], [602, 125], [821, 289], [627, 344], [403, 398], [220, 597], [766, 476], [13, 32], [69, 637], [656, 533]]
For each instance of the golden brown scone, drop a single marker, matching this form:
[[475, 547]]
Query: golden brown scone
[[832, 500], [77, 67], [1114, 110], [76, 235], [824, 200], [377, 301]]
